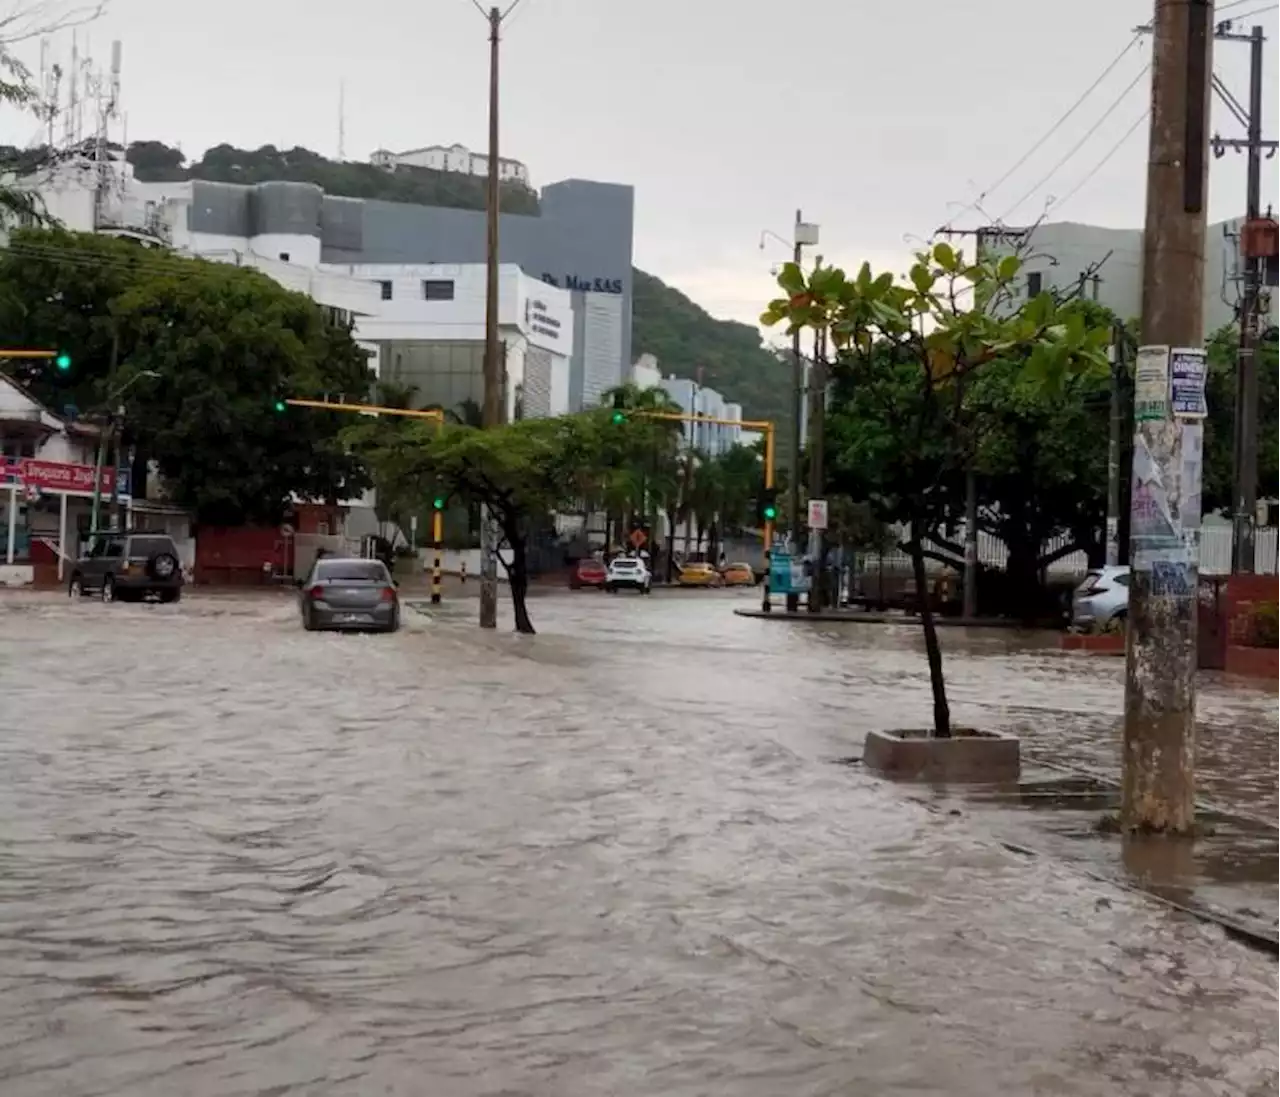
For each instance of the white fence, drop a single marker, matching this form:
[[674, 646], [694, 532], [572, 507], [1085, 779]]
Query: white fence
[[1215, 553]]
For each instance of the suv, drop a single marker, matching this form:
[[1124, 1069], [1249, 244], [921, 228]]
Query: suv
[[627, 571], [129, 565], [1101, 598]]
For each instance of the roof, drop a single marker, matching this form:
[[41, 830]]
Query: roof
[[49, 419]]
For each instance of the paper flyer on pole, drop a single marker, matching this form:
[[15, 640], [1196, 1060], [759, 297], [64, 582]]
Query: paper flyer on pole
[[1151, 384]]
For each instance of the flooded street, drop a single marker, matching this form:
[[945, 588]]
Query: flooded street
[[611, 859]]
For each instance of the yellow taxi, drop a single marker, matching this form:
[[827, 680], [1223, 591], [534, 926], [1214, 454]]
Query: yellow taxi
[[699, 575], [738, 575]]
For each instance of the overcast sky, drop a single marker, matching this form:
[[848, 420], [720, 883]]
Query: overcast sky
[[881, 120]]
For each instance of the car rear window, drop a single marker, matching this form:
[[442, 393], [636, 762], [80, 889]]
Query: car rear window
[[1087, 583], [352, 571], [149, 546], [625, 565]]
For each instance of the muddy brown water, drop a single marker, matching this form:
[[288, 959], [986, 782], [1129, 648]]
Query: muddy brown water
[[237, 859]]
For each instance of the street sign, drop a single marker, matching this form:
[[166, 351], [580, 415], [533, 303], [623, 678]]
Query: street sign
[[638, 538], [787, 574], [817, 514]]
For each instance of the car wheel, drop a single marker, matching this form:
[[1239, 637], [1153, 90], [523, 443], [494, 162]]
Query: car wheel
[[308, 622], [170, 596], [163, 565], [394, 626], [108, 593], [1120, 615], [75, 589]]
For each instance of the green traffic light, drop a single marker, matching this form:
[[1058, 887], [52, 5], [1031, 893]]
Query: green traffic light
[[619, 417], [63, 361], [770, 513], [438, 503], [280, 407]]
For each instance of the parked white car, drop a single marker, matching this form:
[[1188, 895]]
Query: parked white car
[[627, 573], [1101, 598]]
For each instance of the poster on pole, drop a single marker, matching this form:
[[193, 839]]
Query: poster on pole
[[817, 514], [1188, 371], [1151, 384]]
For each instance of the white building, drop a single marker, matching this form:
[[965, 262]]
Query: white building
[[429, 332], [455, 158], [1059, 254], [694, 399]]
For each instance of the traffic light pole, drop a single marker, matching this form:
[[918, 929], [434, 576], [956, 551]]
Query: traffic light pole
[[437, 535], [767, 427]]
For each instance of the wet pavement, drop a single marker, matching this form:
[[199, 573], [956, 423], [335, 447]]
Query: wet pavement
[[615, 858]]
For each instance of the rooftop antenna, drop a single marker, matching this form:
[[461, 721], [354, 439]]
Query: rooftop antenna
[[342, 121], [69, 135]]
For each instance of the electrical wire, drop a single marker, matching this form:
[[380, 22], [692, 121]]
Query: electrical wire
[[1101, 163], [1079, 144], [1250, 14], [991, 188]]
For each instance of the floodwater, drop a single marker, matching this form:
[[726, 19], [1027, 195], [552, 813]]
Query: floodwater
[[612, 859]]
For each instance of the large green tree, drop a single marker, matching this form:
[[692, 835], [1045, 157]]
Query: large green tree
[[523, 472], [224, 342], [1219, 467], [915, 353]]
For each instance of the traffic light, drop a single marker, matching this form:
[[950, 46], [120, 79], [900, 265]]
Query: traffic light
[[769, 505], [619, 408], [62, 361], [438, 503], [279, 406]]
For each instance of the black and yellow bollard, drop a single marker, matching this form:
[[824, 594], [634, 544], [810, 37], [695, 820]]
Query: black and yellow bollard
[[437, 521]]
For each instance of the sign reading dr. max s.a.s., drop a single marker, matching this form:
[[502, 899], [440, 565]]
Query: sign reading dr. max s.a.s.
[[577, 282]]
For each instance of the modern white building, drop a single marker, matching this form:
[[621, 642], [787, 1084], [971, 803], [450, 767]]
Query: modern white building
[[455, 158], [694, 399], [1059, 254]]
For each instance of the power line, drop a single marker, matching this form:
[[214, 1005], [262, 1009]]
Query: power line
[[1079, 144], [1052, 129], [1250, 14], [1101, 163]]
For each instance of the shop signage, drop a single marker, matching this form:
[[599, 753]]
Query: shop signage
[[585, 285], [57, 476], [538, 319]]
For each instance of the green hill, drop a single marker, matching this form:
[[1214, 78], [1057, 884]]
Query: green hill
[[665, 323], [683, 336]]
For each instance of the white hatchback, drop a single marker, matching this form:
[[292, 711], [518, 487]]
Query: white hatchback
[[627, 573], [1103, 597]]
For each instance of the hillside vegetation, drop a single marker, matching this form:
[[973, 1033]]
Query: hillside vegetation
[[665, 323]]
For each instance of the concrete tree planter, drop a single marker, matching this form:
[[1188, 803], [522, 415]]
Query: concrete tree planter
[[1094, 643], [967, 756]]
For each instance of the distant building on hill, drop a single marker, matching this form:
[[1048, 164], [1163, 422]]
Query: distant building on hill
[[455, 158]]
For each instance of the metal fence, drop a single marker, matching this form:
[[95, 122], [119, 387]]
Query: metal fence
[[1215, 554]]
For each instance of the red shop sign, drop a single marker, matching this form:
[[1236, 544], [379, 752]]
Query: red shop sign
[[58, 476]]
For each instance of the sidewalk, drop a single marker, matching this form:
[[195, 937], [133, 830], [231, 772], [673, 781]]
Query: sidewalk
[[858, 617]]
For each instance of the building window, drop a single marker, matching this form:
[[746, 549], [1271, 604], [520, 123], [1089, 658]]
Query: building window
[[284, 257], [1035, 283], [385, 288], [437, 289]]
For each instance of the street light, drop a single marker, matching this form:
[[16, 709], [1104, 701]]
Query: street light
[[804, 234], [113, 397]]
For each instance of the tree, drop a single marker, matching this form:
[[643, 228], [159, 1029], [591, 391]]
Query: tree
[[915, 353], [226, 342], [1219, 435], [522, 472]]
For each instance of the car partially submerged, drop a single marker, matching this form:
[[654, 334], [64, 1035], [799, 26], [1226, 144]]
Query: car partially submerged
[[349, 594]]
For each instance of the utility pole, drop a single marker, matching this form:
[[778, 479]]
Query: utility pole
[[1158, 792], [494, 409], [817, 471], [1114, 442], [1245, 495], [797, 396]]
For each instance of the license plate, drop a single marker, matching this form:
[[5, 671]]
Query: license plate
[[351, 618]]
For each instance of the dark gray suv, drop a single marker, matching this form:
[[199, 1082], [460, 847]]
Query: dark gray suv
[[129, 566]]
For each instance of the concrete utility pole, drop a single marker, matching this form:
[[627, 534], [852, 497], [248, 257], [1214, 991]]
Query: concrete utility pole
[[1245, 495], [494, 408], [797, 396], [1158, 792]]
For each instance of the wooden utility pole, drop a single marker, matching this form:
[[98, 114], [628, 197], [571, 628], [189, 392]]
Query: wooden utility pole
[[494, 406], [1245, 495], [815, 443], [797, 416], [1159, 720]]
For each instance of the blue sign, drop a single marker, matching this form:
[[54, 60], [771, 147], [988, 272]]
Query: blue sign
[[787, 574]]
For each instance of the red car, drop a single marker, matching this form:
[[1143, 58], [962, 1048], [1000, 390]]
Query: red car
[[587, 573]]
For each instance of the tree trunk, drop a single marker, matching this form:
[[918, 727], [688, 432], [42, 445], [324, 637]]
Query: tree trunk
[[941, 710], [518, 579]]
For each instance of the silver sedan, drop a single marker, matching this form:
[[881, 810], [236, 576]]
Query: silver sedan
[[349, 594]]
